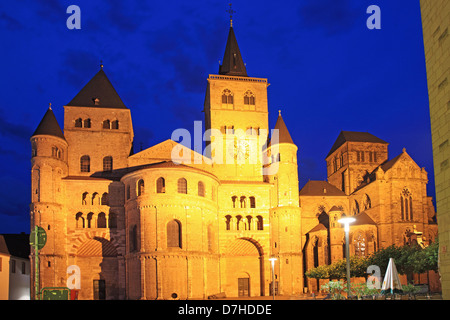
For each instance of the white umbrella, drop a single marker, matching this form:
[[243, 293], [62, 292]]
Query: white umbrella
[[391, 282]]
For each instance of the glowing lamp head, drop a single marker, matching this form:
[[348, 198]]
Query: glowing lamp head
[[346, 221]]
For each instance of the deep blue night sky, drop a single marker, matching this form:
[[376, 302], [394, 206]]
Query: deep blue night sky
[[328, 72]]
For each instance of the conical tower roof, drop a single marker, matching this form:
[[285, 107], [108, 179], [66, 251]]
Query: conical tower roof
[[49, 126], [98, 93], [283, 132], [232, 63]]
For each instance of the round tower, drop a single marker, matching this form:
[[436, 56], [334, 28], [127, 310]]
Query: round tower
[[48, 167], [285, 219]]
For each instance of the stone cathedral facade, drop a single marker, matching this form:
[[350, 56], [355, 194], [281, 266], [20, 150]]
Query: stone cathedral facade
[[148, 225]]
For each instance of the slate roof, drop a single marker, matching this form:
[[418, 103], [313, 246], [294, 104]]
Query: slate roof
[[353, 136], [320, 188], [232, 63], [283, 132], [99, 87], [49, 125]]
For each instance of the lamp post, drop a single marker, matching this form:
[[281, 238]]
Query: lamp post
[[346, 222], [272, 260]]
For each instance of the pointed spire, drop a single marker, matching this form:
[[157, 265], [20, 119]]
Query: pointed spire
[[283, 132], [232, 63], [49, 125], [98, 92]]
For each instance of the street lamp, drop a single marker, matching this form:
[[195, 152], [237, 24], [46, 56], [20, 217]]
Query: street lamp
[[346, 222], [272, 260]]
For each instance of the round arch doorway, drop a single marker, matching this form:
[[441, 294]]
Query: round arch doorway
[[243, 268]]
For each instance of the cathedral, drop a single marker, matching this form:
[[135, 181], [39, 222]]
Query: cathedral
[[169, 222]]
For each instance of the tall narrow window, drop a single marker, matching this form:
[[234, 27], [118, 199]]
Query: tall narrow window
[[140, 187], [79, 220], [182, 185], [410, 209], [133, 238], [260, 223], [105, 199], [358, 156], [160, 185], [243, 201], [402, 204], [115, 124], [234, 199], [252, 202], [201, 189], [174, 234], [90, 218], [228, 222], [107, 163], [360, 245], [101, 220], [85, 164]]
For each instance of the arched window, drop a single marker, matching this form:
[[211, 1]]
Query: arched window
[[366, 202], [243, 201], [101, 220], [228, 222], [112, 220], [115, 124], [107, 163], [406, 204], [56, 152], [249, 98], [260, 223], [160, 185], [95, 199], [356, 208], [84, 199], [90, 217], [78, 123], [105, 199], [238, 222], [85, 164], [80, 220], [87, 123], [227, 98], [201, 189], [106, 124], [316, 254], [248, 223], [140, 188], [252, 202], [360, 245], [174, 234], [234, 199], [182, 185]]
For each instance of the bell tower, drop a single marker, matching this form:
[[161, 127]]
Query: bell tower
[[236, 117]]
